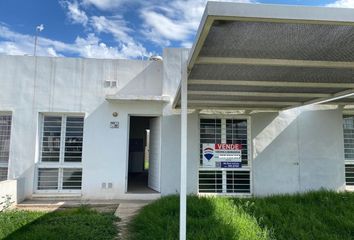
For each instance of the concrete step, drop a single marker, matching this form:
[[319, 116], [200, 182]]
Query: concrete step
[[53, 204], [66, 197]]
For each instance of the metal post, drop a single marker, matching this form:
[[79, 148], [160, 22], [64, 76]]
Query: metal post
[[183, 191], [38, 30], [35, 43]]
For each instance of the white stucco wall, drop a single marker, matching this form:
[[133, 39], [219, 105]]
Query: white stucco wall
[[105, 152], [11, 193], [295, 150], [174, 59], [171, 154], [30, 86], [298, 150]]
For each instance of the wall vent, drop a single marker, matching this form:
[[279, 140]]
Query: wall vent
[[111, 83]]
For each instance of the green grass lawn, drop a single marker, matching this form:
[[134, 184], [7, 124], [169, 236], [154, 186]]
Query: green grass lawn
[[317, 215], [69, 224]]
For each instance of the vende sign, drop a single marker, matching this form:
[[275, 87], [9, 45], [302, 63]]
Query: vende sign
[[224, 146], [221, 155]]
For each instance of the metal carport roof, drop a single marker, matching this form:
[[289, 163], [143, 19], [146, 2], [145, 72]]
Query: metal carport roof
[[270, 57]]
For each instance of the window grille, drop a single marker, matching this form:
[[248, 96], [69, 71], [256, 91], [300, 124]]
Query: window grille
[[51, 138], [61, 153], [236, 133], [5, 135], [48, 178], [210, 181], [3, 173], [348, 130], [225, 181], [349, 174], [72, 178], [238, 181], [210, 132], [73, 139]]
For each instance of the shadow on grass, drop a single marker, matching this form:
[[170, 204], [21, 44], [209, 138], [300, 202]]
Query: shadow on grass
[[208, 218], [69, 224]]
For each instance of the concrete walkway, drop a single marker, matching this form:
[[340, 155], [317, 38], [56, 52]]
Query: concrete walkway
[[126, 211], [50, 205]]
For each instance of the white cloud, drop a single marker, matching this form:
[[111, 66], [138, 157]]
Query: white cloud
[[176, 20], [187, 44], [117, 27], [91, 47], [164, 22], [342, 4], [165, 27], [75, 14], [11, 48], [114, 25], [105, 4], [51, 52]]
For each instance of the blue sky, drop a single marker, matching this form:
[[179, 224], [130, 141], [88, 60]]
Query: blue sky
[[108, 28]]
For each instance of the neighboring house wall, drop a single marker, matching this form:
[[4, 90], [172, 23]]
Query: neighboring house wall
[[30, 86], [298, 150]]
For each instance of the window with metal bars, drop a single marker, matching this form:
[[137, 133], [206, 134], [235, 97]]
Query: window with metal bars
[[55, 178], [5, 136], [238, 182], [59, 167], [225, 181], [210, 181], [348, 130], [210, 132], [236, 133]]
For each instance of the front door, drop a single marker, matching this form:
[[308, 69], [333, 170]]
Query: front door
[[155, 154]]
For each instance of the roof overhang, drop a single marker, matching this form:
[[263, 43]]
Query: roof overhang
[[271, 57], [123, 98]]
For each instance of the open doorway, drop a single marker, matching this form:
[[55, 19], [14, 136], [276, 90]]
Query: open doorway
[[144, 155]]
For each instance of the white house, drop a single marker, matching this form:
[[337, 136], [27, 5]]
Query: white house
[[276, 80]]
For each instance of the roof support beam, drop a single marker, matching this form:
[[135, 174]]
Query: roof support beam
[[200, 41], [274, 62], [328, 100], [283, 20], [257, 103], [333, 97], [259, 94], [269, 83], [341, 103], [268, 109]]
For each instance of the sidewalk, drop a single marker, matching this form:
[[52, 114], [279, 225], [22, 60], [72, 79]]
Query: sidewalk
[[126, 211]]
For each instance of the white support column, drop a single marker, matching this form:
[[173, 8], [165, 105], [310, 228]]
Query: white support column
[[183, 190]]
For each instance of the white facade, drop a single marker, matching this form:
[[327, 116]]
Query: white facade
[[290, 151]]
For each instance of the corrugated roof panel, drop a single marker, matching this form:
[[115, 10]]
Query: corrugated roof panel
[[272, 73], [280, 41], [285, 89]]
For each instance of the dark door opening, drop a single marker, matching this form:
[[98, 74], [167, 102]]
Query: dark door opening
[[141, 177]]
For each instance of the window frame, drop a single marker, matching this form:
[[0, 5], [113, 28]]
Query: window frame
[[61, 164], [347, 161], [223, 140], [6, 165]]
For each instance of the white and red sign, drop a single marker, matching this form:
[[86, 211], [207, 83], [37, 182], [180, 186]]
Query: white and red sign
[[222, 155]]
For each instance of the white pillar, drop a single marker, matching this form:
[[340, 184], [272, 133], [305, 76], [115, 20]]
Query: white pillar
[[183, 190]]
